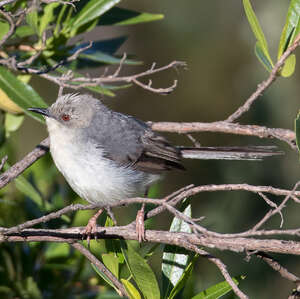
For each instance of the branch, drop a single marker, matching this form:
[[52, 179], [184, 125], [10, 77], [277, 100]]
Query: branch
[[118, 285], [12, 26], [261, 88], [287, 136], [23, 164]]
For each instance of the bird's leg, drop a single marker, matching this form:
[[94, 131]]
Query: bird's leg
[[91, 227], [139, 222]]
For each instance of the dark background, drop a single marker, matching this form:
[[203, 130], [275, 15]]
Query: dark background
[[215, 40]]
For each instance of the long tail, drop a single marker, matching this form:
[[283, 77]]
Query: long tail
[[230, 153]]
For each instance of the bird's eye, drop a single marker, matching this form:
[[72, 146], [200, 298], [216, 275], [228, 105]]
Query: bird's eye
[[65, 117]]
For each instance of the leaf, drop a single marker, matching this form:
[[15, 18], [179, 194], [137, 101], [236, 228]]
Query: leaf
[[7, 104], [111, 261], [32, 289], [32, 20], [48, 16], [175, 259], [24, 31], [98, 56], [289, 66], [4, 27], [256, 29], [27, 189], [183, 279], [217, 291], [92, 10], [122, 16], [291, 27], [261, 57], [141, 272], [57, 250], [297, 130], [104, 277], [131, 290], [22, 94], [12, 122]]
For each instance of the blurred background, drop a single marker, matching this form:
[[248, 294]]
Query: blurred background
[[215, 40]]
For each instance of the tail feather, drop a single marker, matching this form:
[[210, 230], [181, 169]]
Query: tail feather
[[230, 153]]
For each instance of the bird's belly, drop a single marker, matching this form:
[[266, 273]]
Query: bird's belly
[[98, 179]]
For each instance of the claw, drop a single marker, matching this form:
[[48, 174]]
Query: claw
[[140, 226], [91, 227]]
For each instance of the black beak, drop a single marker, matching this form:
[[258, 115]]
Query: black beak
[[43, 111]]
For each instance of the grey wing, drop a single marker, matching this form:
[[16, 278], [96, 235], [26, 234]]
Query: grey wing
[[130, 142]]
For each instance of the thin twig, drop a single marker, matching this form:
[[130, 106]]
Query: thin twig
[[262, 87], [118, 285]]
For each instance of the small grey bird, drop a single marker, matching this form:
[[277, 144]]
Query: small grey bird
[[107, 156]]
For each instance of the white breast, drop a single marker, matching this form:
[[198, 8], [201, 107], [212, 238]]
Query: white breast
[[93, 177]]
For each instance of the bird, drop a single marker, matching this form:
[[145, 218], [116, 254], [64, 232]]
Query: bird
[[107, 156]]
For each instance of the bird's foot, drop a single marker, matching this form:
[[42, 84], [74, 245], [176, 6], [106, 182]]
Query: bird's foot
[[140, 225], [91, 228]]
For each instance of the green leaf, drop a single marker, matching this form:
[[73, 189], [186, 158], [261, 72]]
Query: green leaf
[[131, 290], [183, 279], [32, 20], [297, 130], [291, 27], [27, 189], [12, 122], [4, 27], [104, 277], [141, 272], [175, 259], [92, 10], [216, 291], [24, 31], [122, 16], [262, 58], [99, 56], [289, 66], [57, 250], [48, 16], [256, 29], [20, 93], [111, 261], [32, 289]]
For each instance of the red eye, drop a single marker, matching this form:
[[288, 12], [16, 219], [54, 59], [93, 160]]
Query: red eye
[[65, 117]]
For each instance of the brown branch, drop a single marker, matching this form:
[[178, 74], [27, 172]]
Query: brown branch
[[287, 136], [118, 285], [278, 268], [12, 26], [23, 164], [262, 87], [234, 244]]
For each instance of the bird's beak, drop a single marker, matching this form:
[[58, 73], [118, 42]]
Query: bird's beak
[[43, 111]]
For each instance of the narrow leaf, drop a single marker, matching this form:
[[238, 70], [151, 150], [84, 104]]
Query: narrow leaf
[[122, 16], [92, 10], [262, 57], [289, 66], [183, 279], [24, 186], [22, 94], [32, 20], [4, 27], [111, 261], [175, 260], [256, 29], [131, 290], [297, 130], [141, 272], [216, 291], [12, 122], [291, 27], [48, 16]]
